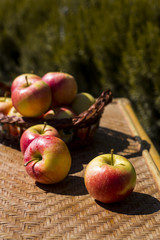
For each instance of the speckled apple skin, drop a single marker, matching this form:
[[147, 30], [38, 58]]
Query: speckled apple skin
[[32, 101], [63, 87], [110, 183], [55, 160], [34, 132]]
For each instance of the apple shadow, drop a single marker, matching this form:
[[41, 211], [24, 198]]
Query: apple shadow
[[104, 140], [71, 185], [136, 204]]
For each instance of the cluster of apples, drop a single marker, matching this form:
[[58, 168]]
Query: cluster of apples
[[46, 156], [55, 95], [47, 159]]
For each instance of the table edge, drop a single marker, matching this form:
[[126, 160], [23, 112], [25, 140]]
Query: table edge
[[151, 156]]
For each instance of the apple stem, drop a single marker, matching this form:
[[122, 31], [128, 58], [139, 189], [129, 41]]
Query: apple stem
[[33, 159], [5, 96], [27, 80], [45, 124], [112, 150]]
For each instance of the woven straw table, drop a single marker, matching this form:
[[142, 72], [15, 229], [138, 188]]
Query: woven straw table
[[30, 210]]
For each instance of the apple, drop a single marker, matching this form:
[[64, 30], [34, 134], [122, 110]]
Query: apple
[[47, 159], [49, 115], [9, 128], [14, 130], [82, 102], [63, 112], [59, 113], [63, 87], [110, 178], [5, 104], [32, 99], [19, 80], [13, 112], [34, 132]]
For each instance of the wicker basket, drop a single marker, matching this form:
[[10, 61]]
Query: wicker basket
[[75, 131]]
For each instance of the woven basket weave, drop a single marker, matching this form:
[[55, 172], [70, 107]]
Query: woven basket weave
[[75, 131]]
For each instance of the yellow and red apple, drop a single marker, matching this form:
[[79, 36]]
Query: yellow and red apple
[[32, 99], [110, 178], [5, 105], [34, 132], [47, 159]]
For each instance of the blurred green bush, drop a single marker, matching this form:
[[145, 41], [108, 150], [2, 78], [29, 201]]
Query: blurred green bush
[[103, 43]]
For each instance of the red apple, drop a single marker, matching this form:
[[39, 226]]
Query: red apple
[[82, 102], [5, 105], [34, 132], [47, 159], [32, 99], [63, 87], [110, 178], [19, 80]]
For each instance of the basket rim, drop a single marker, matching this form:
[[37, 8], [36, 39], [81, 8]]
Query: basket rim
[[88, 117]]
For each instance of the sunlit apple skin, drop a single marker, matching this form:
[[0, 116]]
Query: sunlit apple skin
[[110, 183], [21, 79], [5, 105], [34, 132], [33, 100], [82, 102], [51, 159], [63, 86]]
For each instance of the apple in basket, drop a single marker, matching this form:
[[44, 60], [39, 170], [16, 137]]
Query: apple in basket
[[19, 80], [14, 130], [32, 99], [61, 113], [82, 102], [63, 87], [110, 178], [34, 132], [5, 105], [47, 159]]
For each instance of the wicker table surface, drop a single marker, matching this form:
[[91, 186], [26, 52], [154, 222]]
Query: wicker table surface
[[30, 210]]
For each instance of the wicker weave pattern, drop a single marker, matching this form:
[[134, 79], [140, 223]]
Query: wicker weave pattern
[[29, 210]]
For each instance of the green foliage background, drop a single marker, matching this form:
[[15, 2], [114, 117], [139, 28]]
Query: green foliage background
[[104, 43]]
